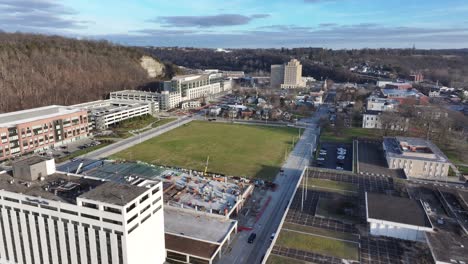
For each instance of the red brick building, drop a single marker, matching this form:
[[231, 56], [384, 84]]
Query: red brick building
[[40, 128]]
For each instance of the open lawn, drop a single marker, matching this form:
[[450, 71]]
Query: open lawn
[[346, 135], [320, 231], [333, 186], [275, 259], [318, 244], [236, 150]]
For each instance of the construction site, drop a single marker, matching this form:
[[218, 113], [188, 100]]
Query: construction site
[[182, 188]]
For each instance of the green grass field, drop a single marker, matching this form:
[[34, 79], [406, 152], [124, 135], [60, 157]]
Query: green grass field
[[275, 259], [236, 150], [320, 231], [333, 186], [318, 244], [346, 135]]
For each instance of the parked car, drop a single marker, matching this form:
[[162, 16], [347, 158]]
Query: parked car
[[320, 159], [339, 168], [341, 157], [252, 238], [323, 153], [272, 236]]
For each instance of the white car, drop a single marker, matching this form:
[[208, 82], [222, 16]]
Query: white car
[[320, 159], [341, 157], [323, 153], [339, 168]]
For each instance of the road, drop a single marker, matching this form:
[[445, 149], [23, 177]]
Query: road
[[129, 142], [243, 252]]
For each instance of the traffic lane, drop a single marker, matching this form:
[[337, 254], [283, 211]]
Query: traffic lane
[[278, 211]]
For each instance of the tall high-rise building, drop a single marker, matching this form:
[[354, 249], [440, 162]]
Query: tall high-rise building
[[277, 76], [49, 217], [293, 74], [287, 76]]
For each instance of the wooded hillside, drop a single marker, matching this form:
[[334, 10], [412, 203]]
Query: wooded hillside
[[37, 70]]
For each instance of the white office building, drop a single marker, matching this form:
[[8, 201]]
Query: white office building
[[104, 113], [49, 217]]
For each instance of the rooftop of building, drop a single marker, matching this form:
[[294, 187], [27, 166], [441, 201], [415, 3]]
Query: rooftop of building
[[413, 148], [448, 247], [104, 107], [190, 246], [182, 187], [114, 193], [135, 92], [31, 161], [201, 226], [397, 210], [58, 187], [30, 115], [190, 77], [400, 93], [372, 112]]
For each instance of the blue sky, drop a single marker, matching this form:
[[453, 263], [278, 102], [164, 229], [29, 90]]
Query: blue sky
[[247, 23]]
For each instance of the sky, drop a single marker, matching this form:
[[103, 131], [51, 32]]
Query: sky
[[336, 24]]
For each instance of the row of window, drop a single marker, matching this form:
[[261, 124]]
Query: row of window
[[65, 211], [64, 245]]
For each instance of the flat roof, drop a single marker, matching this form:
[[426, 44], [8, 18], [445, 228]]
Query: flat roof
[[396, 209], [30, 115], [393, 148], [447, 246], [196, 225], [114, 193], [56, 187], [104, 107], [31, 161], [190, 246]]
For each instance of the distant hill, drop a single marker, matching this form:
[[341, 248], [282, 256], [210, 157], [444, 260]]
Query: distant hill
[[450, 67], [37, 70]]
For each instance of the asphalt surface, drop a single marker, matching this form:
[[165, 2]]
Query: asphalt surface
[[243, 252]]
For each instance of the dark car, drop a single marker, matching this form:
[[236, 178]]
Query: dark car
[[252, 238]]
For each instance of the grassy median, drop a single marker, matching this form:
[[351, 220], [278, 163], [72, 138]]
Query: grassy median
[[318, 244]]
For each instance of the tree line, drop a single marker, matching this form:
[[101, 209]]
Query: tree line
[[38, 70]]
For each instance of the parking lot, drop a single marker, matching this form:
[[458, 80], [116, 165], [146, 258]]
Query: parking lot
[[381, 250], [372, 161], [337, 156]]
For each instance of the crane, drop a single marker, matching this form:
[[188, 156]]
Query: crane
[[206, 165]]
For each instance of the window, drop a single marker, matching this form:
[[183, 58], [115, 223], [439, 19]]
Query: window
[[112, 210], [144, 209], [144, 198], [90, 216], [132, 218], [131, 207], [111, 221], [133, 228], [68, 212]]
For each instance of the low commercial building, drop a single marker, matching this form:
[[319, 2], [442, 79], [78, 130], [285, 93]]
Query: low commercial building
[[36, 129], [397, 217], [105, 113], [419, 158], [377, 120], [374, 103], [53, 217], [194, 237], [411, 96]]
